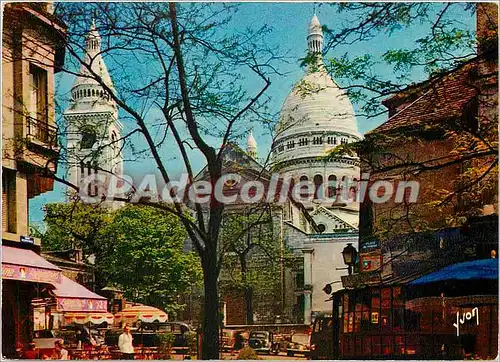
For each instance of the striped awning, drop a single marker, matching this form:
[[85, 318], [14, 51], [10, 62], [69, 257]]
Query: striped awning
[[84, 318], [141, 313]]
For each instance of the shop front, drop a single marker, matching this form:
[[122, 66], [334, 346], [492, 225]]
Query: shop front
[[25, 276], [449, 314]]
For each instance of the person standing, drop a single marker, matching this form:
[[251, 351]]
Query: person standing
[[125, 343]]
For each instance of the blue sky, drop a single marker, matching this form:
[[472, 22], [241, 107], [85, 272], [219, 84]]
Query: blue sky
[[289, 23]]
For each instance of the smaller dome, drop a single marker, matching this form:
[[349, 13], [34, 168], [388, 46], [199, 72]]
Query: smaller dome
[[251, 142], [251, 145], [315, 26], [93, 57]]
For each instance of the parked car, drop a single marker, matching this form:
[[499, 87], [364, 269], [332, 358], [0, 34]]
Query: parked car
[[300, 344], [263, 341]]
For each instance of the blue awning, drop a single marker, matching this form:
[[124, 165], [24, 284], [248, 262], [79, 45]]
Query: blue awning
[[471, 270]]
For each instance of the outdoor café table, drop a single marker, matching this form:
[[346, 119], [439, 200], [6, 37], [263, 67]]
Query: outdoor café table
[[98, 355], [78, 353], [115, 354], [149, 353]]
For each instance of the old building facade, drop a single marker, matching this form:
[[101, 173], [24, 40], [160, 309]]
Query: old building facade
[[32, 53]]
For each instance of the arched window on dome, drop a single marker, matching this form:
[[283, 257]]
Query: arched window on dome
[[317, 140], [332, 186], [304, 190], [318, 187], [93, 92], [101, 94], [303, 141]]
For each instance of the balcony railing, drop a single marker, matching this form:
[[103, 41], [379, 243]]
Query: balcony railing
[[42, 132]]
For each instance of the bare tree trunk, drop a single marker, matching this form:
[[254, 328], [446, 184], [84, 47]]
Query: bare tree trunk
[[249, 304], [248, 294], [211, 320]]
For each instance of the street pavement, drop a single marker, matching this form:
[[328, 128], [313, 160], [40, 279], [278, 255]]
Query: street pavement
[[281, 356], [228, 356]]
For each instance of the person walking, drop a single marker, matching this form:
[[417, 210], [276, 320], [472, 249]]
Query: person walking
[[125, 343]]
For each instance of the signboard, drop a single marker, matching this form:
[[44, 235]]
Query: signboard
[[82, 305], [370, 262], [27, 239], [368, 245], [30, 274]]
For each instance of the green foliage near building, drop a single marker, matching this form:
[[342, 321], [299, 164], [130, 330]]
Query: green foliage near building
[[254, 257], [248, 353], [137, 248]]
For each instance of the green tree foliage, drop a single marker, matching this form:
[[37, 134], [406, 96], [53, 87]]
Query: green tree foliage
[[148, 260], [444, 50], [79, 225], [253, 258], [138, 248], [444, 42]]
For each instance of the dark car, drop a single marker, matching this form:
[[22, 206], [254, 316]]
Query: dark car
[[147, 335], [300, 344], [263, 341]]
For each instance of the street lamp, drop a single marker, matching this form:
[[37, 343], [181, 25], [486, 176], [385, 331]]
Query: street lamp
[[349, 254]]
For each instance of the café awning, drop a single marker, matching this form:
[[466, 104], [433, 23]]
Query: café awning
[[88, 317], [485, 269], [26, 265], [141, 313], [73, 297]]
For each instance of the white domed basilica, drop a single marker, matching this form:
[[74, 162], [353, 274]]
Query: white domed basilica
[[315, 117]]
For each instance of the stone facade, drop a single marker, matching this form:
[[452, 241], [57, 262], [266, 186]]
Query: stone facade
[[94, 141], [32, 52]]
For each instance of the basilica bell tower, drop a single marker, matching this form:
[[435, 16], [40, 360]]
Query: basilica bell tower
[[94, 142]]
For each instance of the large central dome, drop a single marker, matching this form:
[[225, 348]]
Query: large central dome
[[317, 114], [316, 103]]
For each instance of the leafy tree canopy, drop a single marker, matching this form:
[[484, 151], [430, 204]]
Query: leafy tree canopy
[[137, 248]]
